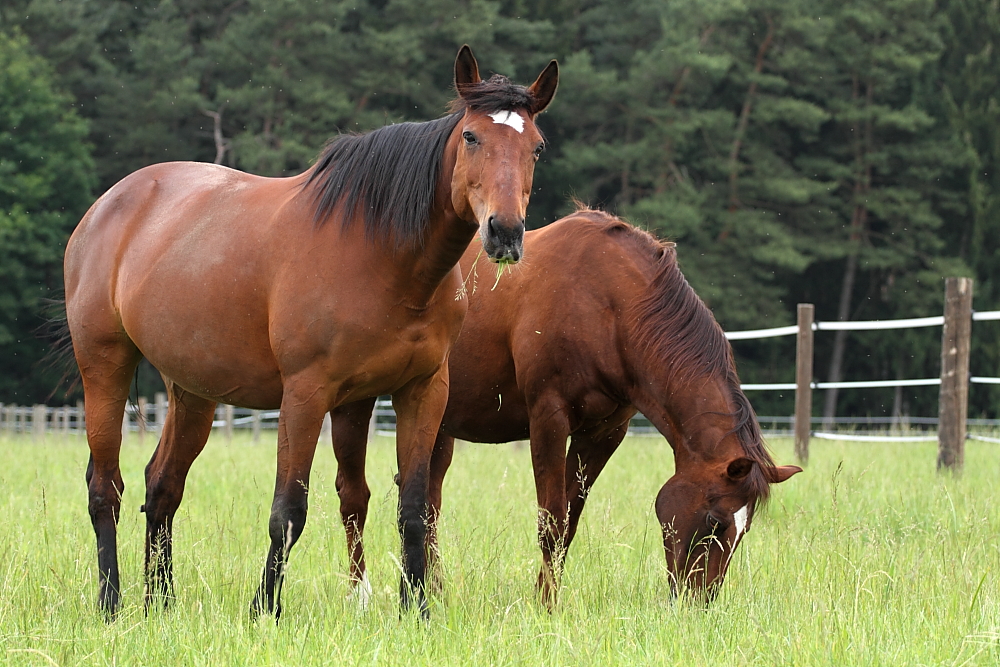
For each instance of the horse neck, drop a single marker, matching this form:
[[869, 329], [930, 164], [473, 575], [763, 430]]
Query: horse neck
[[695, 412], [447, 239], [444, 241]]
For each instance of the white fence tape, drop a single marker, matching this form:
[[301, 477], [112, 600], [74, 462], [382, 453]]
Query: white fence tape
[[875, 325], [874, 438], [869, 384], [984, 438], [768, 387], [762, 333], [862, 325], [861, 384]]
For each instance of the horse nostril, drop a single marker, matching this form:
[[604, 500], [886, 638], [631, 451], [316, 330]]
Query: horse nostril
[[491, 226]]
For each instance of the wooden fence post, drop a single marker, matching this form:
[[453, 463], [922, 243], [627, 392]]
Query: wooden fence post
[[326, 428], [125, 424], [38, 422], [143, 407], [953, 404], [803, 381], [160, 411], [255, 425], [373, 423], [227, 418]]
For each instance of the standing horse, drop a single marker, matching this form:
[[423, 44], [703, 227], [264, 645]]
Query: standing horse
[[304, 293], [598, 324]]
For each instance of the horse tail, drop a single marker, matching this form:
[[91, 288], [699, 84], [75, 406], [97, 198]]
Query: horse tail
[[59, 358]]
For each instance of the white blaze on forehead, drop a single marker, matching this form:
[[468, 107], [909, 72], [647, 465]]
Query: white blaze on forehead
[[740, 518], [509, 118]]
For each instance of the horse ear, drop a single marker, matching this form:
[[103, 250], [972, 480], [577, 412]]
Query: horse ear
[[739, 468], [544, 87], [779, 474], [466, 69]]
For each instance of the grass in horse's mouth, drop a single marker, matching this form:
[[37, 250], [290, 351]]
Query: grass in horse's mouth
[[501, 265]]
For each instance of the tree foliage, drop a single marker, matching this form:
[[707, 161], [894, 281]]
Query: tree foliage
[[45, 185], [840, 153]]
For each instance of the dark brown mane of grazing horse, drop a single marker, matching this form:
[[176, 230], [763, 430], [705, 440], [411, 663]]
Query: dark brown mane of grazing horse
[[307, 293], [674, 323], [597, 324]]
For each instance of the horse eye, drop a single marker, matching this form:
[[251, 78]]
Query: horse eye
[[538, 150], [469, 137], [714, 523]]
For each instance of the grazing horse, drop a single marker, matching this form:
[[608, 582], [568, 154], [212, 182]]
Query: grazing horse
[[598, 324], [304, 293]]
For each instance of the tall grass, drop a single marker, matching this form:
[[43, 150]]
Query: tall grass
[[868, 558]]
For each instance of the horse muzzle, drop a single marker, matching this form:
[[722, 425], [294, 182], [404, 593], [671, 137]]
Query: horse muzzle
[[503, 238]]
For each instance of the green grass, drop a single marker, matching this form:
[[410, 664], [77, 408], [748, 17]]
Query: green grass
[[868, 558]]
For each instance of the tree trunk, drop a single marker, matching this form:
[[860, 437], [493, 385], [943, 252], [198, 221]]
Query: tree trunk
[[221, 143], [840, 337], [744, 119], [859, 223]]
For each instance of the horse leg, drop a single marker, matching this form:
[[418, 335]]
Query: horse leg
[[587, 456], [419, 407], [302, 408], [350, 445], [444, 448], [188, 425], [549, 430], [106, 370]]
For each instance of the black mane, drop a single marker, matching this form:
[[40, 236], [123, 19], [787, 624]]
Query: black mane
[[391, 174], [498, 93]]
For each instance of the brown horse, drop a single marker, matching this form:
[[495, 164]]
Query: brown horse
[[304, 293], [600, 323]]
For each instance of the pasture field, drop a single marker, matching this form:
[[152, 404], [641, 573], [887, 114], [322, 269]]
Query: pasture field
[[867, 558]]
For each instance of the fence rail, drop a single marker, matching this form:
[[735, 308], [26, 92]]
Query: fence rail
[[956, 323]]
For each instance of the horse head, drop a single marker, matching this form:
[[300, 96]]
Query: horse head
[[689, 389], [498, 145], [707, 507]]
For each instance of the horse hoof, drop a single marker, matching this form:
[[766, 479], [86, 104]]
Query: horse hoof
[[109, 610]]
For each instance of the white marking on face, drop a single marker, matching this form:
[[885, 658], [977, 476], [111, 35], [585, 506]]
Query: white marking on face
[[740, 518], [362, 593], [509, 118]]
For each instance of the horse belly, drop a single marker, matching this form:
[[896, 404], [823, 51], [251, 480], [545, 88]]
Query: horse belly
[[216, 352], [483, 411]]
